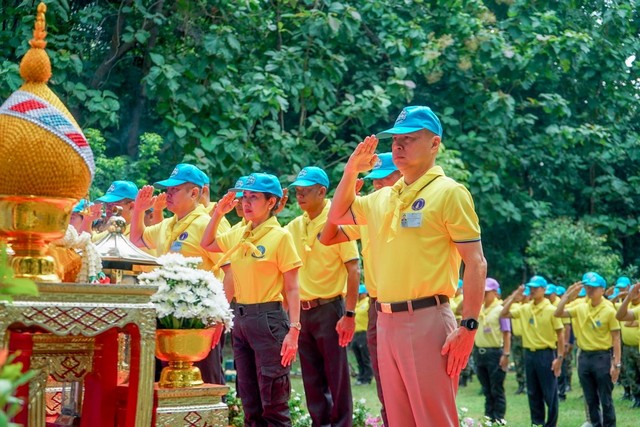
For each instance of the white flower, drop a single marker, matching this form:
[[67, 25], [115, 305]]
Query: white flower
[[186, 293]]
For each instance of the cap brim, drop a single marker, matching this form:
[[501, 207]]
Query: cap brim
[[400, 130], [109, 198], [303, 183], [169, 183], [380, 173]]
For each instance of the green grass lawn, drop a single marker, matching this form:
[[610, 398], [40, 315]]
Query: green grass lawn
[[572, 410]]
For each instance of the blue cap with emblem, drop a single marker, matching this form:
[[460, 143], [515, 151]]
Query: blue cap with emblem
[[560, 290], [537, 282], [362, 289], [119, 190], [413, 119], [383, 167], [260, 183], [311, 175], [623, 282], [551, 289], [182, 174], [80, 206], [594, 280], [239, 183]]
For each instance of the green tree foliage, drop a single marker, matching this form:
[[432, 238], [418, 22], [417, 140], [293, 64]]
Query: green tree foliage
[[563, 250], [538, 99]]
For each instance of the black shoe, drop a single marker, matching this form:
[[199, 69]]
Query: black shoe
[[636, 403], [520, 389], [627, 394], [562, 397]]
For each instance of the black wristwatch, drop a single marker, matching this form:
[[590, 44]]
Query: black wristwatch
[[470, 324], [350, 313]]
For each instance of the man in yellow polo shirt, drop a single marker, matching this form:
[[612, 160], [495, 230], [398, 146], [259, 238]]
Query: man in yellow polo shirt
[[421, 229], [542, 334], [328, 321], [630, 373], [384, 174], [491, 353], [180, 233], [595, 328]]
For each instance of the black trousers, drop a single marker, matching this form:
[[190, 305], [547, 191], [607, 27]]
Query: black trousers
[[263, 383], [542, 386], [491, 377], [325, 370], [595, 379], [361, 351]]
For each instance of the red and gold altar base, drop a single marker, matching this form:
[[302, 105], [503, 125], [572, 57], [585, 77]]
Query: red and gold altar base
[[181, 348]]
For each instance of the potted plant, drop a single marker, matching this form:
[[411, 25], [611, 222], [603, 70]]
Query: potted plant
[[192, 311]]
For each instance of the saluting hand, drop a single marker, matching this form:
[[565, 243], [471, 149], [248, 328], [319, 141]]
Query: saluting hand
[[160, 202], [574, 290], [226, 204], [283, 201], [144, 199], [289, 347], [364, 157]]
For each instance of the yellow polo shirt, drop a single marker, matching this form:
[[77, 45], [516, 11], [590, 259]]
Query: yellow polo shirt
[[454, 303], [323, 274], [516, 324], [630, 334], [421, 260], [183, 236], [362, 314], [259, 279], [539, 325], [489, 333], [592, 326], [355, 232]]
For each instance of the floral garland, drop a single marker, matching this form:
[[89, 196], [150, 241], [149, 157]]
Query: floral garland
[[187, 297], [91, 262]]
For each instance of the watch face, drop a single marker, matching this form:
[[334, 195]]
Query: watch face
[[470, 324]]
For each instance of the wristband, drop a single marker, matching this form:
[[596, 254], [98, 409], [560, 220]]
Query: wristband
[[350, 313], [296, 325], [506, 354]]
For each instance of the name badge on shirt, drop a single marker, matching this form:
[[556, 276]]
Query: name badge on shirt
[[176, 247], [486, 330], [411, 220]]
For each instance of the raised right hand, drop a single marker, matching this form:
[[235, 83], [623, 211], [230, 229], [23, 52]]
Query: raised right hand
[[144, 199], [364, 157], [226, 204]]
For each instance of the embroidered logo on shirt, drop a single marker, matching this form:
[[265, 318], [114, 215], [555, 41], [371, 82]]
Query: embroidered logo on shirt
[[183, 236], [418, 204], [262, 250]]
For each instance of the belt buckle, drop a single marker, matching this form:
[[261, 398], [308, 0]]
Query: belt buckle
[[482, 350], [305, 305], [385, 307]]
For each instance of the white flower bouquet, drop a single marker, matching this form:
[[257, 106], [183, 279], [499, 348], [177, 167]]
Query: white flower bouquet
[[187, 297]]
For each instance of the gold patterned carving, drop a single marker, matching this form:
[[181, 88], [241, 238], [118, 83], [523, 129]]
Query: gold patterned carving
[[193, 416]]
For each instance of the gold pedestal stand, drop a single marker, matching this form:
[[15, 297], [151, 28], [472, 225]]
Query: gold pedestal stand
[[29, 224]]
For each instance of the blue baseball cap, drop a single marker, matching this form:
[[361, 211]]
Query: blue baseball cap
[[383, 167], [81, 205], [623, 282], [582, 293], [594, 280], [537, 282], [309, 176], [526, 292], [551, 289], [413, 119], [239, 183], [614, 294], [119, 190], [260, 183], [560, 290], [182, 174], [362, 289]]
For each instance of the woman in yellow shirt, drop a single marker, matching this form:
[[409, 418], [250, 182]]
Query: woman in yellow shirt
[[264, 264]]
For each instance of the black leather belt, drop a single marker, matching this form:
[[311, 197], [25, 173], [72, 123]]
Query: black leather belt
[[308, 305], [483, 350], [414, 304], [263, 307]]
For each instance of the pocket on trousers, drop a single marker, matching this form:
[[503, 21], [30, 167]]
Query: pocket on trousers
[[275, 386], [278, 325]]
